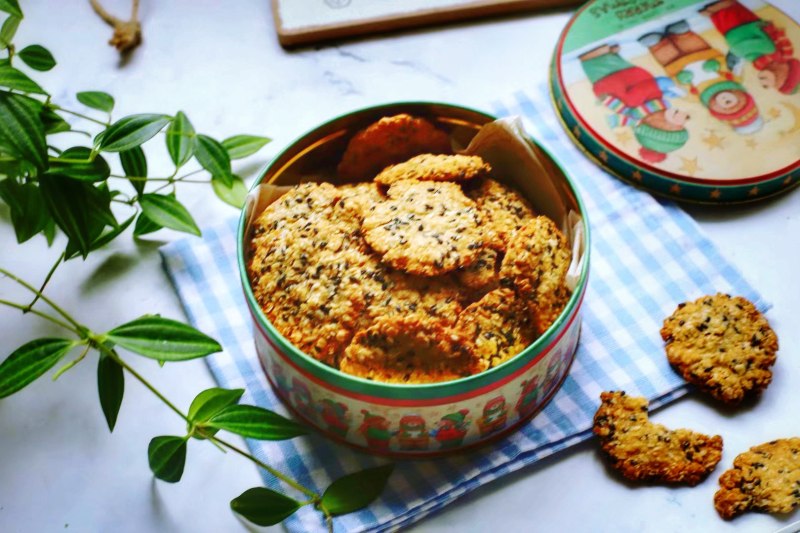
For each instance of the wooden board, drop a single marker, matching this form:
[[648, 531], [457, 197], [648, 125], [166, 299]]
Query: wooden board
[[301, 22]]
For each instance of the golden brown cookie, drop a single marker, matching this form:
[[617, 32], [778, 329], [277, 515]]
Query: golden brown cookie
[[425, 228], [766, 478], [388, 141], [643, 451], [435, 167], [721, 344], [481, 275], [536, 265], [503, 210], [497, 327], [412, 349]]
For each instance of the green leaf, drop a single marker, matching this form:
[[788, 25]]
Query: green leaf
[[29, 362], [37, 57], [167, 457], [163, 339], [240, 146], [168, 212], [95, 167], [11, 7], [96, 100], [21, 128], [8, 30], [234, 195], [144, 226], [111, 387], [264, 507], [180, 139], [111, 234], [134, 163], [255, 423], [212, 401], [355, 491], [52, 121], [214, 158], [28, 213], [132, 131], [18, 80]]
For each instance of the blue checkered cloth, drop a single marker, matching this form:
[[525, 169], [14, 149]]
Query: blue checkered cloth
[[646, 257]]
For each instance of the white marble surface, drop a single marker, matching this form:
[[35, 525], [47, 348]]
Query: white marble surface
[[60, 469]]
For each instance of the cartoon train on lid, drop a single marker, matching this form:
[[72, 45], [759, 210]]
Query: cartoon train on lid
[[683, 98]]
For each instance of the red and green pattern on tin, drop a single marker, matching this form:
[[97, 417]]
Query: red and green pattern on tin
[[405, 421], [694, 100]]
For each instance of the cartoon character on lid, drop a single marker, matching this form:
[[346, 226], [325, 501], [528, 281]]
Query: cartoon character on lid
[[451, 429], [334, 414], [758, 41], [302, 400], [280, 381], [412, 434], [375, 430], [554, 369], [527, 403], [495, 415], [638, 100]]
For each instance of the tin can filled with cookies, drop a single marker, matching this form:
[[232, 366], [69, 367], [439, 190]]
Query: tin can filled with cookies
[[415, 274]]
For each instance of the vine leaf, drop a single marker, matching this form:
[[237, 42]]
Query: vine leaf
[[18, 80], [132, 131], [355, 491], [167, 457], [240, 146], [108, 236], [8, 30], [214, 158], [30, 361], [96, 100], [111, 387], [234, 195], [11, 7], [91, 168], [21, 129], [255, 423], [168, 212], [134, 164], [144, 226], [163, 339], [37, 57], [210, 402], [28, 213], [180, 139], [264, 507]]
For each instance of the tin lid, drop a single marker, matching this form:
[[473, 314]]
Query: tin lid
[[695, 100]]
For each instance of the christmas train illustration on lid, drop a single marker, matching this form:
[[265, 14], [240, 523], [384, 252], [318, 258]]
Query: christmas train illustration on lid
[[694, 100]]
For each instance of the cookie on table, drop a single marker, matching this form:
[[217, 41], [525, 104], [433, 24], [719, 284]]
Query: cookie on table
[[425, 228], [503, 210], [721, 344], [643, 451], [765, 478], [436, 167], [388, 141], [497, 327], [411, 349], [536, 265]]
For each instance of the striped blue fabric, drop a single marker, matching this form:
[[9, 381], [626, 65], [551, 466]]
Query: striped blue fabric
[[646, 257]]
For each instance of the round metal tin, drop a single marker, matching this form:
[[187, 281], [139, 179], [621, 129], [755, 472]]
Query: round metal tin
[[694, 100]]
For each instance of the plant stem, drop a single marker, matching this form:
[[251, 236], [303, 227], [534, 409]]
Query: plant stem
[[51, 303], [46, 281], [71, 363], [56, 107], [145, 178], [54, 320], [289, 481]]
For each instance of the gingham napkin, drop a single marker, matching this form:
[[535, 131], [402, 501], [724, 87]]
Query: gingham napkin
[[646, 257]]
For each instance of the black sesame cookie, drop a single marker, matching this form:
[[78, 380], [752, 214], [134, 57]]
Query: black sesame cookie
[[536, 265], [721, 344], [766, 478], [503, 210], [436, 167], [497, 327], [388, 141], [643, 451], [412, 349], [481, 275], [424, 228]]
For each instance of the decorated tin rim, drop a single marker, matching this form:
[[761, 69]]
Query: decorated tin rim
[[775, 182], [348, 384]]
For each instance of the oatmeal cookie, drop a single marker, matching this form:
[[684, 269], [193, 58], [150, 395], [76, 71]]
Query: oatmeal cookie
[[536, 265], [482, 275], [765, 478], [411, 349], [721, 344], [388, 141], [643, 451], [504, 210], [435, 167], [497, 327], [424, 228]]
